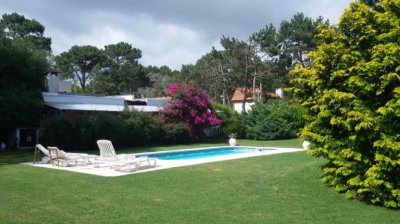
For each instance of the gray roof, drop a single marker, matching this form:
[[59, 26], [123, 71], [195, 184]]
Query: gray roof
[[94, 103]]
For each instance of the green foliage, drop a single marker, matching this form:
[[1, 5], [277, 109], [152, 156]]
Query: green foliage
[[297, 37], [177, 133], [79, 63], [77, 132], [230, 124], [68, 133], [352, 95], [159, 85], [120, 72], [275, 119], [22, 73], [142, 128], [286, 46], [17, 27]]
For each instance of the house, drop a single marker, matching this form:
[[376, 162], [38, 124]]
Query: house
[[60, 103], [60, 100], [237, 98]]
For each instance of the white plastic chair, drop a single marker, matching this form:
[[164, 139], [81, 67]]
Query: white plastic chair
[[59, 157], [108, 154], [107, 150], [147, 161], [109, 158], [39, 148]]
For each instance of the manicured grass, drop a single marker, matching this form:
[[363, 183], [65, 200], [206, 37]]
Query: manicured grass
[[283, 188]]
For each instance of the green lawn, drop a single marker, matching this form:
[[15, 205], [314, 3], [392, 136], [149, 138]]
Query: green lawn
[[283, 188]]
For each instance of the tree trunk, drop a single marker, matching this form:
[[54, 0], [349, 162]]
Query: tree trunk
[[245, 83], [225, 88]]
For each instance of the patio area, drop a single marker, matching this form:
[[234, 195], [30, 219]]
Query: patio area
[[163, 164]]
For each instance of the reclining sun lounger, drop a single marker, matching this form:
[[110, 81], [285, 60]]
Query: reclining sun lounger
[[61, 158], [39, 148], [123, 161]]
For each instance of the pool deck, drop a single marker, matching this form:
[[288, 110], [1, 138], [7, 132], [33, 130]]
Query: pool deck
[[167, 164]]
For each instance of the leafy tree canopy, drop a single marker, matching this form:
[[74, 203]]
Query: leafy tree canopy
[[79, 63], [352, 92], [159, 85], [22, 73], [284, 47], [120, 71], [15, 26]]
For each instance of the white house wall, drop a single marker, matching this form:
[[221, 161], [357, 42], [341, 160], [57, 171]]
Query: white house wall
[[238, 106]]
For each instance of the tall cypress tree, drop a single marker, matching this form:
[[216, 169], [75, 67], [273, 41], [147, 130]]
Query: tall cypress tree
[[352, 92]]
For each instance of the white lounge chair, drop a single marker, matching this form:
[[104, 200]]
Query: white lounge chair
[[107, 151], [145, 161], [47, 157], [61, 158], [109, 158], [119, 162], [39, 148]]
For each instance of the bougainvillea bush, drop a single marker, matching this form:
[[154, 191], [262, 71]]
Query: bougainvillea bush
[[352, 92], [190, 105]]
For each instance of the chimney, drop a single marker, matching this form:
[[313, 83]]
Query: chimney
[[57, 86], [53, 82]]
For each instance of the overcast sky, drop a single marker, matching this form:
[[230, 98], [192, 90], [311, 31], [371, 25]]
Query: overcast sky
[[169, 32]]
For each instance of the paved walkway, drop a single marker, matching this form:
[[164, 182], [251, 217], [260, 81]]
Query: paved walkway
[[166, 164]]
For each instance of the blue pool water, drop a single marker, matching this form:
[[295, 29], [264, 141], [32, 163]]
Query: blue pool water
[[201, 153]]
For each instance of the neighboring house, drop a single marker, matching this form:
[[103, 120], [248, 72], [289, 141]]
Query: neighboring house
[[237, 98], [59, 100]]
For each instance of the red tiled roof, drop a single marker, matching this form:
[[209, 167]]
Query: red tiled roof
[[238, 95]]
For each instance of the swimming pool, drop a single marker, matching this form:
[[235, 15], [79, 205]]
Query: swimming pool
[[200, 153]]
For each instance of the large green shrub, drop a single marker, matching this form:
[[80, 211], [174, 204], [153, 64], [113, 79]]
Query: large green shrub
[[21, 79], [352, 92], [144, 128], [230, 120], [275, 119], [177, 133], [104, 126], [80, 132]]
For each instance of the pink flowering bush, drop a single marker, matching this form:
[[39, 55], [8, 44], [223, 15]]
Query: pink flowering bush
[[190, 105], [173, 88]]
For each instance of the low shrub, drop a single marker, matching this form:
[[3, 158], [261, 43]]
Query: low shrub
[[274, 119], [177, 133], [230, 120], [140, 128]]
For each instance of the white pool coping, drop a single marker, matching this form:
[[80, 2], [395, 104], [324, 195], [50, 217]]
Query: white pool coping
[[167, 164]]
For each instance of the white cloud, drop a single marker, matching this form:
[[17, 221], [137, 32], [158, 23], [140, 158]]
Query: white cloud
[[169, 32], [161, 44], [173, 58], [327, 8]]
